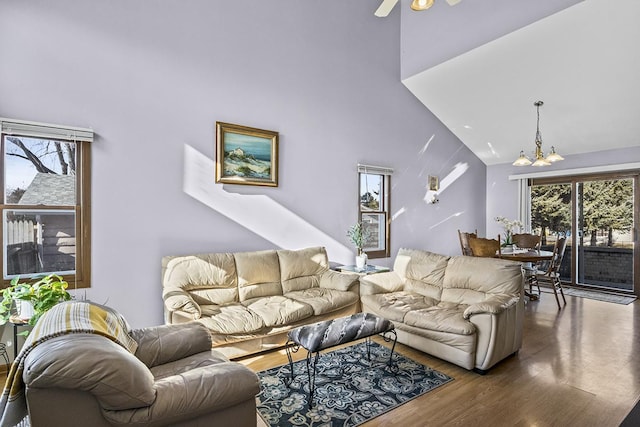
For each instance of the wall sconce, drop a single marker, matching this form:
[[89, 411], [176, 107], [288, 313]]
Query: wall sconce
[[434, 186]]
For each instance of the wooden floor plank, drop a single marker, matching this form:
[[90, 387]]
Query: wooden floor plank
[[579, 366]]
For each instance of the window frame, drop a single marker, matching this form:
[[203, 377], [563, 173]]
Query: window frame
[[82, 208], [385, 202]]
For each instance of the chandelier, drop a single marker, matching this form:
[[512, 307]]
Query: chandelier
[[540, 159]]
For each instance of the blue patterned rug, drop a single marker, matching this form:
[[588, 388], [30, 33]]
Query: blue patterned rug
[[350, 389]]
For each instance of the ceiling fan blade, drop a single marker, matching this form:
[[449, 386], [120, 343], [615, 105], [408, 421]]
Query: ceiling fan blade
[[453, 2], [385, 8]]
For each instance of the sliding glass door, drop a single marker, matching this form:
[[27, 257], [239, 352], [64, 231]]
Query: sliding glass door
[[597, 214], [605, 233]]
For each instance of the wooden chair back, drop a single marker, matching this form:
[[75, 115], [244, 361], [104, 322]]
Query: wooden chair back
[[482, 247], [464, 241], [558, 253], [527, 241]]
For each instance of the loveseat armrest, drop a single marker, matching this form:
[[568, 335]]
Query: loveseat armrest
[[381, 283], [158, 345], [331, 279], [179, 300], [192, 394], [494, 305]]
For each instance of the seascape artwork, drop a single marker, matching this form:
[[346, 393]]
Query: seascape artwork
[[247, 156]]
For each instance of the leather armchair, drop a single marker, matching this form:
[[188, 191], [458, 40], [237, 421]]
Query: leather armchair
[[174, 379]]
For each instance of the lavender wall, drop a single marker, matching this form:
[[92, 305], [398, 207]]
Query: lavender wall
[[151, 78], [444, 32], [502, 194]]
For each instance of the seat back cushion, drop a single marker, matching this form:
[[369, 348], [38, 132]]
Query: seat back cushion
[[469, 280], [258, 274], [424, 272], [208, 278], [301, 269]]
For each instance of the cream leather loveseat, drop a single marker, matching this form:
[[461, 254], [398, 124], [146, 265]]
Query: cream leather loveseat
[[466, 310], [250, 300]]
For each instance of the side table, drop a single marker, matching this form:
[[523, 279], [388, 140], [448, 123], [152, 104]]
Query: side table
[[17, 323], [367, 269]]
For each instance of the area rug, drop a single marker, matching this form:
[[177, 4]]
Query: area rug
[[600, 296], [350, 389]]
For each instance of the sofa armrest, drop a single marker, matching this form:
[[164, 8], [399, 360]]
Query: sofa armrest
[[494, 305], [381, 283], [158, 345], [193, 393], [177, 299], [339, 281]]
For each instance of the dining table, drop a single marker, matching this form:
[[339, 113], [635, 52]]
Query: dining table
[[525, 256]]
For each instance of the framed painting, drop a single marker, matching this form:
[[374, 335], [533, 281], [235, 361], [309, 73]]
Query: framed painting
[[434, 183], [246, 155]]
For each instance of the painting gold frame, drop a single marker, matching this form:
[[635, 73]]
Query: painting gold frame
[[246, 155]]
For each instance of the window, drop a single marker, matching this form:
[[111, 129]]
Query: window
[[373, 209], [46, 200]]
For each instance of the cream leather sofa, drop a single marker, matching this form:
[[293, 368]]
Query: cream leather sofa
[[466, 310], [250, 300], [173, 379]]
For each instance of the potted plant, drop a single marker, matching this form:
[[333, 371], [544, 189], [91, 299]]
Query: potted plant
[[358, 234], [509, 225], [42, 294]]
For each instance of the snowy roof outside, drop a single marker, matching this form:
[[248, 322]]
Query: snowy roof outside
[[50, 189]]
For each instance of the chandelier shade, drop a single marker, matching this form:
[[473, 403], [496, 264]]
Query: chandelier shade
[[540, 159]]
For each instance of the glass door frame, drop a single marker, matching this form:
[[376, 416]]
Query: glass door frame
[[573, 180]]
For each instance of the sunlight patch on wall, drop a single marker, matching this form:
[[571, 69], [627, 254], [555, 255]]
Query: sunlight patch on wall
[[450, 217], [426, 146], [258, 213], [398, 213]]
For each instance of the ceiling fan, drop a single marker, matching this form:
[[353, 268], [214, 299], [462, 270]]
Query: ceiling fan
[[387, 6]]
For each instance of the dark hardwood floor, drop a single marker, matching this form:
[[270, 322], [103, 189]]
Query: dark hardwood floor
[[579, 366]]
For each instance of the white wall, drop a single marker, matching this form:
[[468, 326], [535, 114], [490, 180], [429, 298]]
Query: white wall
[[152, 78]]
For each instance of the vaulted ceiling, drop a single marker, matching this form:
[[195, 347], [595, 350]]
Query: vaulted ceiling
[[581, 59]]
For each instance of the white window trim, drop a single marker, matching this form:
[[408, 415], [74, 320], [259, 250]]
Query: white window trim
[[44, 130]]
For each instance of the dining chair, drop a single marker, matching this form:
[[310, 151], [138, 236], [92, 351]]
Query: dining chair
[[551, 277], [482, 247], [529, 269], [527, 241], [464, 241]]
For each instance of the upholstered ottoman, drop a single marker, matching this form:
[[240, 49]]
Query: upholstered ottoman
[[322, 335]]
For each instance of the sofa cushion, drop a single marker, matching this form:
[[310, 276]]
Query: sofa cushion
[[279, 310], [395, 305], [208, 278], [444, 317], [302, 269], [468, 280], [162, 344], [324, 300], [258, 274], [232, 318], [198, 360], [424, 272]]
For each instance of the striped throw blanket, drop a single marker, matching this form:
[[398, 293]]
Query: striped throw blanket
[[65, 318]]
